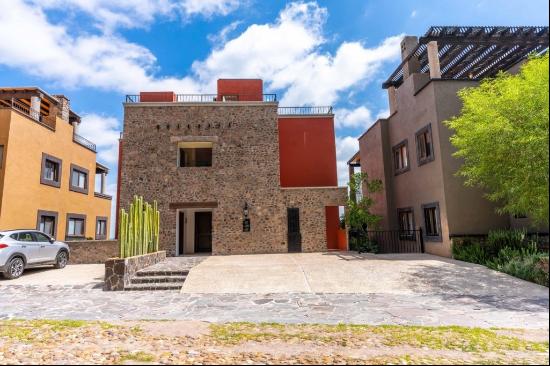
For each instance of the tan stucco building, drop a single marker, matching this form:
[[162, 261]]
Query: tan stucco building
[[47, 171], [410, 150]]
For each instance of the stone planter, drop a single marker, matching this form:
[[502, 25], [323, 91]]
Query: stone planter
[[119, 271]]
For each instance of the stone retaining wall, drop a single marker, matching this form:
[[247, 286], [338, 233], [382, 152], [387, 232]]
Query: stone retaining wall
[[119, 271], [92, 251]]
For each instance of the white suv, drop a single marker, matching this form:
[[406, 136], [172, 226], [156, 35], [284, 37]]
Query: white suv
[[20, 249]]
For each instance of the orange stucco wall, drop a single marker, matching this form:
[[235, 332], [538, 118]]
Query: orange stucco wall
[[307, 151], [246, 89], [22, 194]]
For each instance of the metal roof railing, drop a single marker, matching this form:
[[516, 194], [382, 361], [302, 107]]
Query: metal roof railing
[[210, 98], [301, 111]]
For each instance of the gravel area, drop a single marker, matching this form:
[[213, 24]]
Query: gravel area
[[70, 342]]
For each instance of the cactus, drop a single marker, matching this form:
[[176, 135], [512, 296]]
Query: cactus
[[139, 228]]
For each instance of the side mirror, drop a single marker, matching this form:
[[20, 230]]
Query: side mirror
[[52, 240]]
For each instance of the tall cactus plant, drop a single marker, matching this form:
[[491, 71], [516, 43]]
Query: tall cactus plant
[[139, 228]]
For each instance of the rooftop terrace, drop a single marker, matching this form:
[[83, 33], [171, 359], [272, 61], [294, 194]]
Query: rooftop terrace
[[472, 53]]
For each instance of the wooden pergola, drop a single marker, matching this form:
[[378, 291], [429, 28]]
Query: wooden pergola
[[474, 53]]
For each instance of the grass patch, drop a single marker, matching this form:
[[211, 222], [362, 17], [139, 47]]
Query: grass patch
[[437, 338], [137, 357], [42, 329]]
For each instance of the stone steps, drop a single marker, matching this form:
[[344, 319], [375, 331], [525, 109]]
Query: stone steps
[[166, 286], [157, 280]]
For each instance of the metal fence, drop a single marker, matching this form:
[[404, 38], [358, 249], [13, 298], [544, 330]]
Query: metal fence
[[301, 111], [393, 241], [209, 98]]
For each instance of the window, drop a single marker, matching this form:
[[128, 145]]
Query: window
[[406, 222], [41, 237], [401, 157], [195, 154], [47, 223], [79, 179], [76, 226], [432, 224], [101, 228], [1, 155], [51, 171], [424, 145], [24, 237]]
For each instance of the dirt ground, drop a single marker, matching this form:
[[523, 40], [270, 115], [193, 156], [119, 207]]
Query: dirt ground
[[180, 342]]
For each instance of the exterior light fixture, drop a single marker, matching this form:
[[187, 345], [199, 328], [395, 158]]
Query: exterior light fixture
[[245, 210]]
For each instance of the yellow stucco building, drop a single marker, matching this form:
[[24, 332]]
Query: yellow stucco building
[[48, 172]]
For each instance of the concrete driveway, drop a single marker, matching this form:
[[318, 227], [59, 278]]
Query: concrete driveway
[[72, 275], [347, 273]]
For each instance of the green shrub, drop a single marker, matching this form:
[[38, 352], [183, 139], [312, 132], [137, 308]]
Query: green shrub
[[470, 251], [363, 244], [499, 239], [527, 267]]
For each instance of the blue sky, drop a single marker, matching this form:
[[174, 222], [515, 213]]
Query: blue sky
[[309, 53]]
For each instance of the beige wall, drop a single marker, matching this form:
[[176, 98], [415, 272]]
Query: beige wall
[[463, 210], [23, 194]]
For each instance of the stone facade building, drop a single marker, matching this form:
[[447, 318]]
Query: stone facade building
[[410, 151], [233, 173]]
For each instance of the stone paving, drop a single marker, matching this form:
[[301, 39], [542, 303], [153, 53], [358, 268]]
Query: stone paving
[[89, 303], [400, 291]]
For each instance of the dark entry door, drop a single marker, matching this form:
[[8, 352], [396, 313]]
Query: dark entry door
[[203, 232], [294, 236], [181, 233]]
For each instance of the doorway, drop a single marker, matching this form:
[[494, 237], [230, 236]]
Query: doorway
[[181, 233], [294, 235], [203, 232]]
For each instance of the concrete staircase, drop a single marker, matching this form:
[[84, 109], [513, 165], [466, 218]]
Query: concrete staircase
[[157, 280]]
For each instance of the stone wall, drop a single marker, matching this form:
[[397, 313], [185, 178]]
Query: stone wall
[[92, 251], [245, 168], [119, 271]]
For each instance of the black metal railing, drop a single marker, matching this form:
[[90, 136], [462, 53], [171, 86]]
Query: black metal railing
[[391, 241], [209, 98], [82, 141], [304, 111]]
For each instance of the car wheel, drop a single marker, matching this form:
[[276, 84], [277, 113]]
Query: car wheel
[[61, 259], [14, 268]]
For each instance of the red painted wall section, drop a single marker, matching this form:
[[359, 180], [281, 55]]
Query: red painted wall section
[[342, 240], [248, 90], [307, 152], [332, 225], [145, 97]]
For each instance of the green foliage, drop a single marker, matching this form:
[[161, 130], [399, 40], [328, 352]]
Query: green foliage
[[139, 228], [502, 135], [363, 244], [358, 216], [470, 252], [500, 239], [505, 251]]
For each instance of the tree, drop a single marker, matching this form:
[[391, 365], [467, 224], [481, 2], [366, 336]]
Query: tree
[[502, 136], [358, 216]]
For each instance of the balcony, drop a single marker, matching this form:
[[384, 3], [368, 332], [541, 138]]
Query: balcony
[[206, 98], [82, 141], [305, 111]]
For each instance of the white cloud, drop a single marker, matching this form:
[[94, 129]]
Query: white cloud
[[346, 147], [286, 56], [414, 13], [109, 14], [101, 61], [104, 132], [285, 53], [359, 117]]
